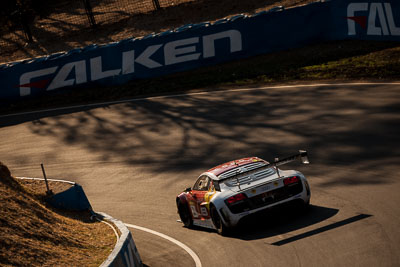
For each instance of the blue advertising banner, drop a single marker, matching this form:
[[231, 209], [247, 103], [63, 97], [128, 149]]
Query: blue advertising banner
[[193, 46], [365, 20]]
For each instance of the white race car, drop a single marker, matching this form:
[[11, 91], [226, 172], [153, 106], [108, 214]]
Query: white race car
[[225, 194]]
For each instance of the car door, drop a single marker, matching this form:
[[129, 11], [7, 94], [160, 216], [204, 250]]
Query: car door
[[199, 191]]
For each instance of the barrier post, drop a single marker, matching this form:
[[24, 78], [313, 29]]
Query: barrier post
[[48, 192], [25, 25], [89, 13]]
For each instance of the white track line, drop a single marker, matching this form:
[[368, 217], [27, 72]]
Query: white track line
[[199, 93], [186, 248]]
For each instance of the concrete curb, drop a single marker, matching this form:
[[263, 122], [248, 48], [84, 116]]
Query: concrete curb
[[125, 253]]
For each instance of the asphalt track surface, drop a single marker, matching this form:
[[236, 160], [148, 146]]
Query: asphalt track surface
[[133, 159]]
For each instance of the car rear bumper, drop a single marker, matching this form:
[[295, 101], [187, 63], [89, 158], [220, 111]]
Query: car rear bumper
[[231, 219]]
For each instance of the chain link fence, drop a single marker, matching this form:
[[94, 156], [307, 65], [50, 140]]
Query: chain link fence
[[29, 21]]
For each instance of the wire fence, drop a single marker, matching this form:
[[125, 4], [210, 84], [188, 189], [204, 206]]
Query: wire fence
[[29, 21]]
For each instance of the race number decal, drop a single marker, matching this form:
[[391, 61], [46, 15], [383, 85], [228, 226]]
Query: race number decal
[[194, 212], [204, 211]]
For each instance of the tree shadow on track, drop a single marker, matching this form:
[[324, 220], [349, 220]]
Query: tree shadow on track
[[284, 219], [352, 134], [279, 222]]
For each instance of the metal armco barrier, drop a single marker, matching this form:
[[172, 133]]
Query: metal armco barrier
[[193, 46]]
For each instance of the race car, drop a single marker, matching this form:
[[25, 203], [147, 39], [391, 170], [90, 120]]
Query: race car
[[229, 192]]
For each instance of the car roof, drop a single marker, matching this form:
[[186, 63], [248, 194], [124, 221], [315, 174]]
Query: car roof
[[220, 169]]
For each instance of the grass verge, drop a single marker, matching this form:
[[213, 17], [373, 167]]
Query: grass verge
[[32, 234]]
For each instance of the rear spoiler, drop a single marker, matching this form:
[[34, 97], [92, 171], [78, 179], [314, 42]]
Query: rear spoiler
[[302, 155], [278, 162]]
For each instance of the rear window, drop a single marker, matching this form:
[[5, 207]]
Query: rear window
[[250, 176]]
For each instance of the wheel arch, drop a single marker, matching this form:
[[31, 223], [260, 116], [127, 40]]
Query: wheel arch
[[221, 215], [182, 199]]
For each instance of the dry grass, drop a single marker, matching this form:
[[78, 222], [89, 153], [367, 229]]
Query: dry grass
[[38, 187], [31, 234]]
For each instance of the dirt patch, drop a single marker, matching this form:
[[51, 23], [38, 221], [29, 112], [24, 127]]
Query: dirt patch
[[50, 38], [38, 187], [32, 234]]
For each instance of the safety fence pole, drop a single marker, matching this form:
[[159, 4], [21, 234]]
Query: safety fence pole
[[25, 25], [156, 5], [89, 13]]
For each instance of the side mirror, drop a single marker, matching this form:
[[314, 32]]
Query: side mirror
[[188, 189]]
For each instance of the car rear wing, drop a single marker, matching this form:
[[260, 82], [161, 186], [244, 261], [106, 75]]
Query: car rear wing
[[302, 155]]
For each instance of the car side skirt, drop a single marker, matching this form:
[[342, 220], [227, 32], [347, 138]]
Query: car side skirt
[[206, 223]]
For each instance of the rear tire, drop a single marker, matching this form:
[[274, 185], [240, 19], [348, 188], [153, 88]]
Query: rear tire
[[184, 214], [218, 223]]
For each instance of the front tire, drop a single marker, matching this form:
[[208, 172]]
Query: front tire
[[218, 223], [184, 214]]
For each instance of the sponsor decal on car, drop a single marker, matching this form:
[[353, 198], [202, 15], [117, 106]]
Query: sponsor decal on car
[[204, 211], [193, 208]]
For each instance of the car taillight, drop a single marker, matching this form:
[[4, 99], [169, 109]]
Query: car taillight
[[291, 180], [236, 198]]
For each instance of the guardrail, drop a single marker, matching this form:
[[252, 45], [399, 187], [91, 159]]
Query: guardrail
[[125, 253], [196, 45]]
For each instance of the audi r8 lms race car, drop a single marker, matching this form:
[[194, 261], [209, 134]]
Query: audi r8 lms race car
[[225, 194]]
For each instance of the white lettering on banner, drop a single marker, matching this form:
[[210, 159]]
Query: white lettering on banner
[[393, 29], [376, 13], [25, 79], [60, 79], [234, 36], [128, 62], [175, 52], [144, 57], [174, 55], [96, 70], [351, 10], [128, 59]]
